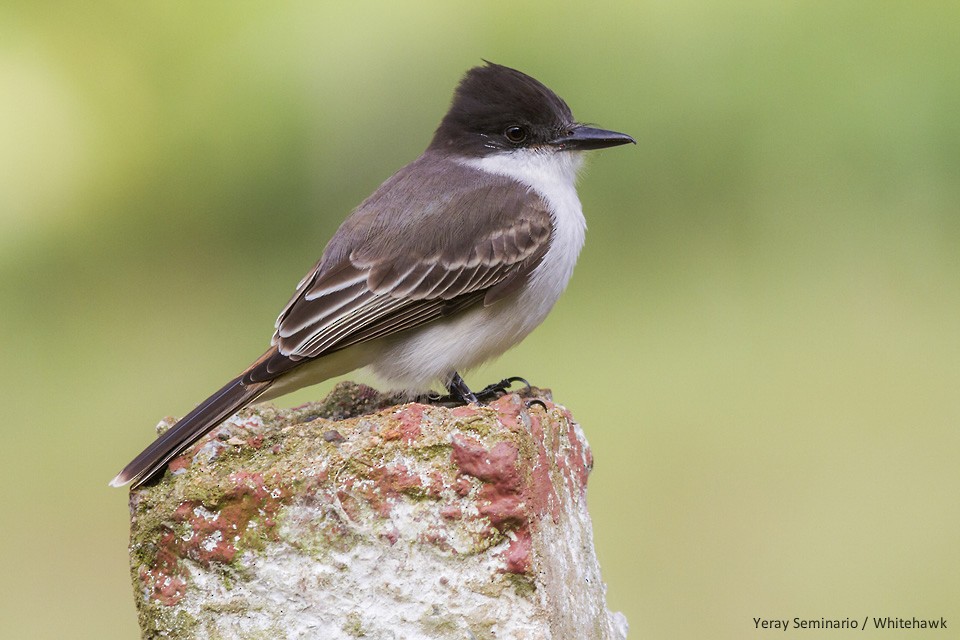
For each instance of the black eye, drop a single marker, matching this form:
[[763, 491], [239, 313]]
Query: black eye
[[515, 134]]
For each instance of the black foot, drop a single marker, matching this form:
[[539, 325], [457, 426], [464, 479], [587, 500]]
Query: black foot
[[493, 391], [460, 393]]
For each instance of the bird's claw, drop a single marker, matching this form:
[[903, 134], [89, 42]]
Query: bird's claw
[[491, 391]]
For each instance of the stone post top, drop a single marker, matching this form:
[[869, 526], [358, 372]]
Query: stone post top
[[360, 513]]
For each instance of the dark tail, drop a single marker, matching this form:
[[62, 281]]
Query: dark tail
[[224, 403]]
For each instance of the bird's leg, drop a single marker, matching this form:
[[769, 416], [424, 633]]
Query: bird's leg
[[459, 390], [458, 394]]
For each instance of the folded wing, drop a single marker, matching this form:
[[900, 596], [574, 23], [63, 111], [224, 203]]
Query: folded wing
[[377, 289]]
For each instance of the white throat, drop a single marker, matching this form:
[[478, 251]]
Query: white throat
[[551, 174]]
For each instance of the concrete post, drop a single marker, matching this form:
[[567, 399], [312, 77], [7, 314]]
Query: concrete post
[[356, 518]]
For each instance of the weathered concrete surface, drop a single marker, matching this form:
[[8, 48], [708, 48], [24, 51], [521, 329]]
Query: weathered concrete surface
[[408, 522]]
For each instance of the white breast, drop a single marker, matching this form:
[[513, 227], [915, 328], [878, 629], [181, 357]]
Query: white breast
[[553, 175]]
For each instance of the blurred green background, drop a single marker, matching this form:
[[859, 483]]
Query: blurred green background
[[761, 340]]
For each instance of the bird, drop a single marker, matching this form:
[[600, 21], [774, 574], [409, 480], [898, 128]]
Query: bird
[[453, 260]]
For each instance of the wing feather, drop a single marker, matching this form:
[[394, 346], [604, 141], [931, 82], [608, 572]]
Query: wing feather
[[442, 288], [315, 312], [332, 338]]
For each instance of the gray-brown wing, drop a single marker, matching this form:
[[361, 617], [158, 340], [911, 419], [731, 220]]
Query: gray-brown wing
[[371, 294]]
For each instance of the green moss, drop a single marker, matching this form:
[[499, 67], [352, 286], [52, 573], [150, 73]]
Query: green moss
[[482, 629], [274, 632], [524, 585], [430, 452], [347, 400], [480, 423], [158, 621], [353, 625], [236, 606], [436, 623]]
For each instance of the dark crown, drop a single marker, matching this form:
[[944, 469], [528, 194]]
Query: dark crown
[[492, 98]]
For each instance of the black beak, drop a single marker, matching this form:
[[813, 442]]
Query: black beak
[[583, 138]]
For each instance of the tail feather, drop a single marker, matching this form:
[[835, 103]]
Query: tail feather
[[224, 403]]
